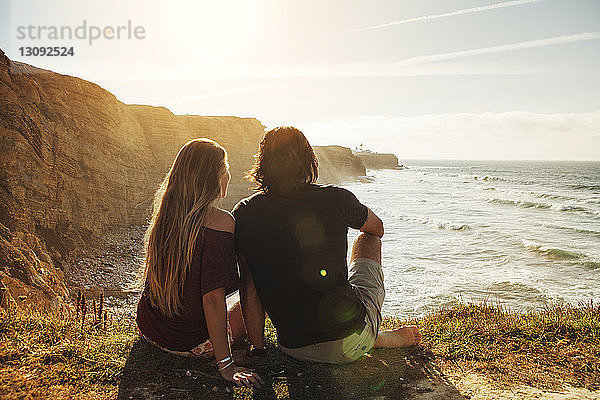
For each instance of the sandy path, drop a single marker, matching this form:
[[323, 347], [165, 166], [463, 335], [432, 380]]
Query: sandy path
[[477, 387]]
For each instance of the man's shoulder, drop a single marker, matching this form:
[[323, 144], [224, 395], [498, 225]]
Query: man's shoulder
[[247, 201], [329, 190]]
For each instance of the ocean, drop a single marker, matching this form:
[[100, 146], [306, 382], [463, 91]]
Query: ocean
[[522, 234]]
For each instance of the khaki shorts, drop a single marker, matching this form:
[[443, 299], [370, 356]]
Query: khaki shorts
[[366, 277]]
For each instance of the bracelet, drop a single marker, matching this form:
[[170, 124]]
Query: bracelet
[[226, 366], [226, 359]]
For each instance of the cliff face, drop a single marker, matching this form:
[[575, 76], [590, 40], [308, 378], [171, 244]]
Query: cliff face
[[75, 162], [166, 133], [377, 160], [337, 164]]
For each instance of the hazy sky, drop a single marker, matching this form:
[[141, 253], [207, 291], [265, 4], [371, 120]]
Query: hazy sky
[[475, 79]]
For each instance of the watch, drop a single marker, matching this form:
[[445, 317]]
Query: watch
[[255, 351]]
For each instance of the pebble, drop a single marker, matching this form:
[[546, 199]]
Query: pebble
[[215, 389], [188, 373], [299, 374]]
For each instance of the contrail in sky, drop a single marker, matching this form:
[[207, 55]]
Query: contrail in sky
[[413, 66], [580, 37], [449, 14]]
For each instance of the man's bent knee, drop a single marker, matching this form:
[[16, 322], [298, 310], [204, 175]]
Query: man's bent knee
[[368, 239], [367, 245]]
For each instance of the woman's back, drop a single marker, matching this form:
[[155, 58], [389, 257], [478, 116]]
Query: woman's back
[[213, 266]]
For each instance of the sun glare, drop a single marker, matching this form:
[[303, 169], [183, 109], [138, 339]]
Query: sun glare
[[217, 30]]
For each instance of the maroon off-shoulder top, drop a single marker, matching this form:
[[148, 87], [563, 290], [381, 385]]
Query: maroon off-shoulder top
[[213, 266]]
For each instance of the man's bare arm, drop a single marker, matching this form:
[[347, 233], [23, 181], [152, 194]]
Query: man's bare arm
[[252, 309], [373, 225]]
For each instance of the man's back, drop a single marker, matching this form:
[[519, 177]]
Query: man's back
[[295, 247]]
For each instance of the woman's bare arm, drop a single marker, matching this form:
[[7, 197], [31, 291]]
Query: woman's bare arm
[[215, 313]]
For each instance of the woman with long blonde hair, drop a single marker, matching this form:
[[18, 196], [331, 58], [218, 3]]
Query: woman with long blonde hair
[[190, 263]]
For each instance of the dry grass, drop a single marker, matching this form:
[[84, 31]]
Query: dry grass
[[546, 349], [45, 355], [53, 355]]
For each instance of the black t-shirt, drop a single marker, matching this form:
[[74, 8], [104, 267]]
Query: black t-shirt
[[295, 247]]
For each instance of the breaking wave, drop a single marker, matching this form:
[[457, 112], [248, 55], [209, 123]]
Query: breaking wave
[[553, 196], [564, 207], [415, 219], [552, 252], [592, 188], [569, 207], [486, 178], [591, 264], [521, 203], [436, 223]]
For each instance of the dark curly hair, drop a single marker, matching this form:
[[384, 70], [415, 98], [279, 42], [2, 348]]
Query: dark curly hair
[[284, 161]]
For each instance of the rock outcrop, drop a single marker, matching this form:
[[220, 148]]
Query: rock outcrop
[[337, 164], [373, 160]]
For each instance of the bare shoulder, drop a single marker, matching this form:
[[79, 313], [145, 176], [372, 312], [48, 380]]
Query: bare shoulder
[[220, 220]]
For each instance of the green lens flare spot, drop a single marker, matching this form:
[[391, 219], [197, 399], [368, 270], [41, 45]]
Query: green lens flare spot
[[323, 272]]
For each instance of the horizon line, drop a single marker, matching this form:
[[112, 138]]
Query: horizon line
[[500, 159]]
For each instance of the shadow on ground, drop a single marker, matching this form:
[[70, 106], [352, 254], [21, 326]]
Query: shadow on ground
[[150, 373]]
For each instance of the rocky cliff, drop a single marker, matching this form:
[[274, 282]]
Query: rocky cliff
[[373, 160], [75, 163]]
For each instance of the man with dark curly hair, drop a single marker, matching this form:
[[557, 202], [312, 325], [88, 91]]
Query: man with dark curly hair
[[291, 241]]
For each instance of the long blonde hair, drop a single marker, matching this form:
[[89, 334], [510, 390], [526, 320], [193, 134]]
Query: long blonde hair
[[191, 187]]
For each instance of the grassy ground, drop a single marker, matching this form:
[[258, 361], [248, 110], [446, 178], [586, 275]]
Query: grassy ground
[[44, 355], [560, 345], [53, 355]]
